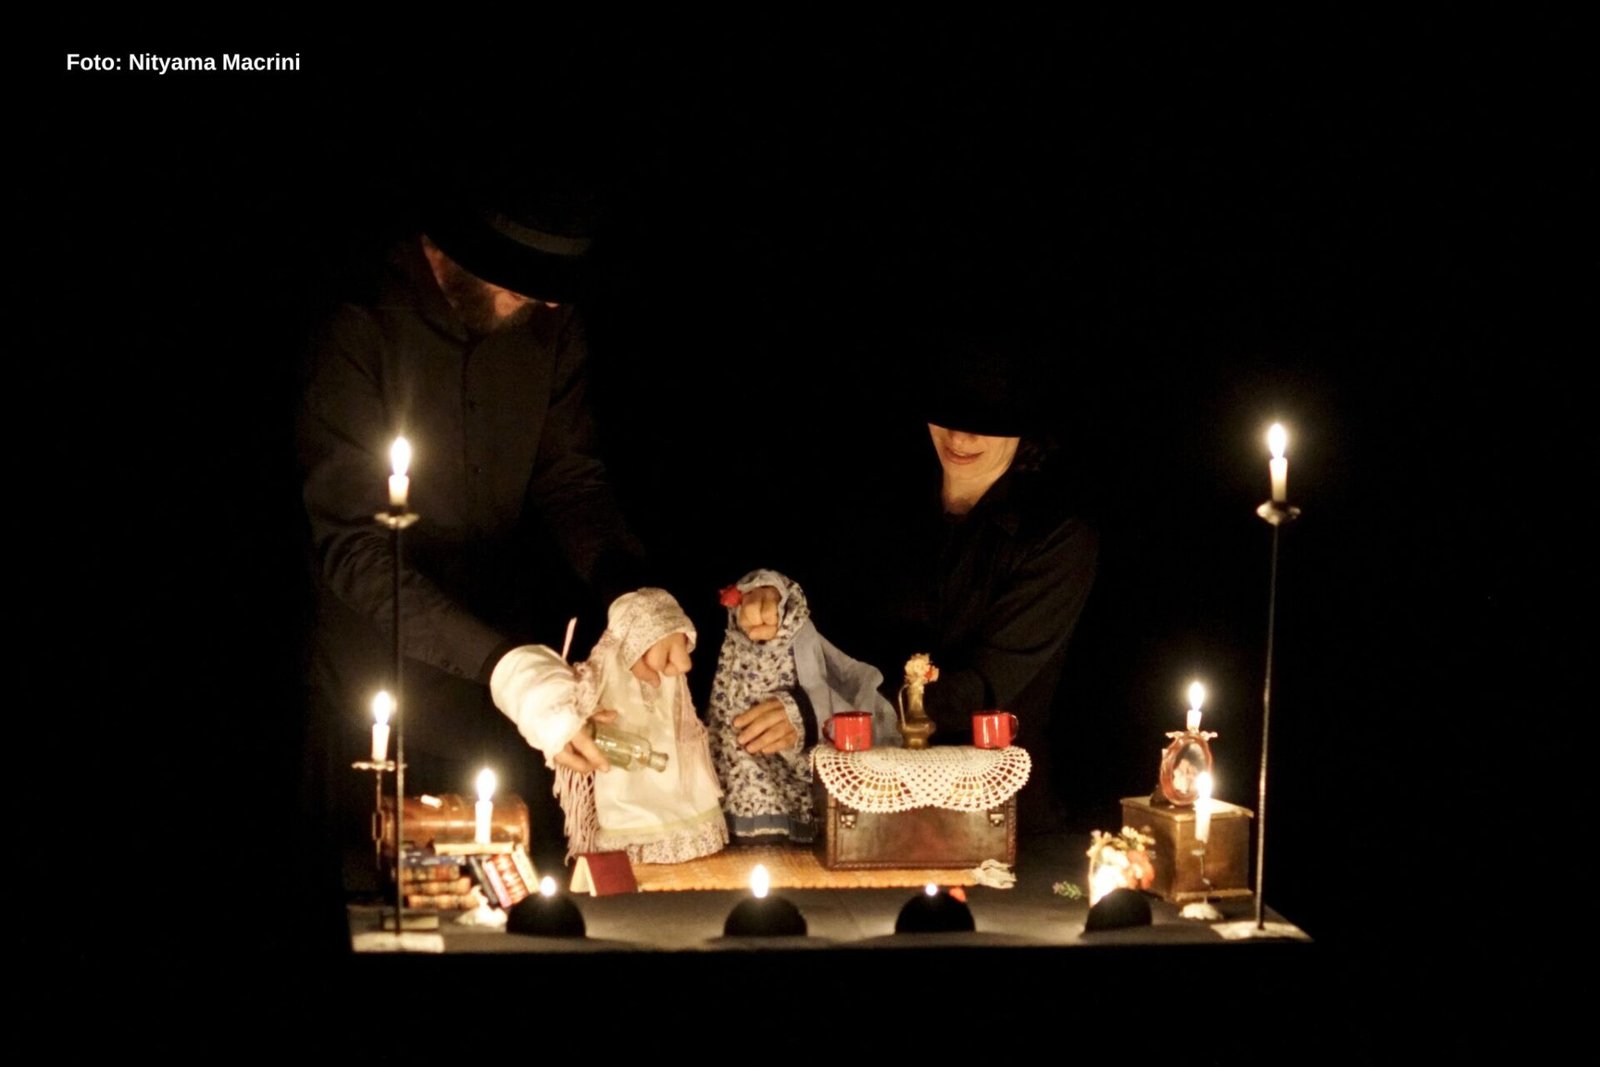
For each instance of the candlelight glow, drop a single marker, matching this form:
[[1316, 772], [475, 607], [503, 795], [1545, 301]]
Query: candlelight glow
[[1106, 878], [931, 889], [760, 881], [400, 455], [382, 707], [486, 785], [1203, 785], [1277, 440], [547, 886], [1197, 695]]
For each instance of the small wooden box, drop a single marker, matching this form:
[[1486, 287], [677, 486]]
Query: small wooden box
[[1227, 855], [921, 837]]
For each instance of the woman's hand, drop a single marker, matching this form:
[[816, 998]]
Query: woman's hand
[[766, 728], [581, 754], [758, 613]]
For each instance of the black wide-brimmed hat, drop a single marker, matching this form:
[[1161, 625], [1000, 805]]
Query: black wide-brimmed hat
[[995, 385], [519, 214]]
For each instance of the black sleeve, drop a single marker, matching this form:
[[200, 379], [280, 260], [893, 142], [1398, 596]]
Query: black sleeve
[[1025, 628], [344, 437], [569, 484]]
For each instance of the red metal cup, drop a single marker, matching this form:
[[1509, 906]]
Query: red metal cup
[[849, 731], [994, 729]]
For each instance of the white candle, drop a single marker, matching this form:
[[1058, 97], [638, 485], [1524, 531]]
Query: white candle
[[1277, 441], [1197, 696], [399, 484], [760, 881], [382, 708], [485, 807], [1202, 808]]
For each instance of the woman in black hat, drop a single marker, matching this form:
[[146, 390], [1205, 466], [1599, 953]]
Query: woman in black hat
[[981, 558]]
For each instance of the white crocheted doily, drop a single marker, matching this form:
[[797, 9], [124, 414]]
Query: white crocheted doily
[[956, 777]]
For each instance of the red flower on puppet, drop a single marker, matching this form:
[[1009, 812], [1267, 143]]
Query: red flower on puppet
[[730, 597]]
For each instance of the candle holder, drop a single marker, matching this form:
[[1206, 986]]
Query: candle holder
[[378, 769], [1201, 910], [546, 914], [1117, 909], [935, 911], [1277, 516], [396, 520]]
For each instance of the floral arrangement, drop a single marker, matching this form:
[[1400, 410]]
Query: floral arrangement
[[729, 596], [920, 670], [1120, 861]]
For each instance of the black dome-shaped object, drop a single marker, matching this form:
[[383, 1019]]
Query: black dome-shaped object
[[764, 917], [1118, 908], [937, 914], [542, 916]]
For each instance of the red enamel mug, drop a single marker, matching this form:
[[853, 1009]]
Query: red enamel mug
[[994, 729], [849, 731]]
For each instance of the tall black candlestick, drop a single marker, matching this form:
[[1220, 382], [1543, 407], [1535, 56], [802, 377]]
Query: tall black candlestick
[[1278, 515], [397, 520]]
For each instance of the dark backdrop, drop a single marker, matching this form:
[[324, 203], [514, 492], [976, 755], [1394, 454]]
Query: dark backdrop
[[1358, 229]]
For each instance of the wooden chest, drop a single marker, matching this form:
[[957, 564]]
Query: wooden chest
[[921, 837], [1178, 876]]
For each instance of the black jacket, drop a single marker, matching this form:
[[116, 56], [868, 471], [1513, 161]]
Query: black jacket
[[505, 461]]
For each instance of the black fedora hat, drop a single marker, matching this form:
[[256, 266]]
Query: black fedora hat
[[519, 214]]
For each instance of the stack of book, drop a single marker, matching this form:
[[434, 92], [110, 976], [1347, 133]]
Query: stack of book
[[444, 883]]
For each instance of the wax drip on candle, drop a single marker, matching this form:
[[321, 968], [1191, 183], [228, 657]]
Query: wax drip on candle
[[484, 810], [382, 708], [400, 461], [1202, 808], [1197, 697], [1278, 441]]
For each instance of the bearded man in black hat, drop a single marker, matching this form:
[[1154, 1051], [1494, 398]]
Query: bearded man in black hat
[[471, 349]]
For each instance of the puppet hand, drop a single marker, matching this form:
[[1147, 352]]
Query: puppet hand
[[668, 657], [581, 754], [766, 729], [758, 613]]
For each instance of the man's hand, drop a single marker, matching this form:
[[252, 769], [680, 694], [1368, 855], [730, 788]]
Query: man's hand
[[668, 657], [758, 613], [581, 753], [766, 728]]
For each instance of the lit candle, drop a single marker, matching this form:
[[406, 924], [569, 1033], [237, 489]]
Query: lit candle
[[485, 806], [399, 484], [1202, 808], [931, 889], [382, 708], [1104, 880], [547, 887], [1278, 440], [1197, 696], [760, 882]]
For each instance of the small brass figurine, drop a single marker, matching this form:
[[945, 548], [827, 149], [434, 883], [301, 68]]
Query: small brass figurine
[[914, 721]]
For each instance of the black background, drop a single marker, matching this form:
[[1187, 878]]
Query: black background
[[1364, 230]]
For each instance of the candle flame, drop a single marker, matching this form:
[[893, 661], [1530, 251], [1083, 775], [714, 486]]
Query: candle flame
[[547, 886], [1277, 440], [486, 784], [931, 889], [1197, 695], [400, 455], [1203, 785], [760, 881], [382, 707]]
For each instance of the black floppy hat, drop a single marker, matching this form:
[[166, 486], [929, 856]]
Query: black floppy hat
[[993, 385]]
